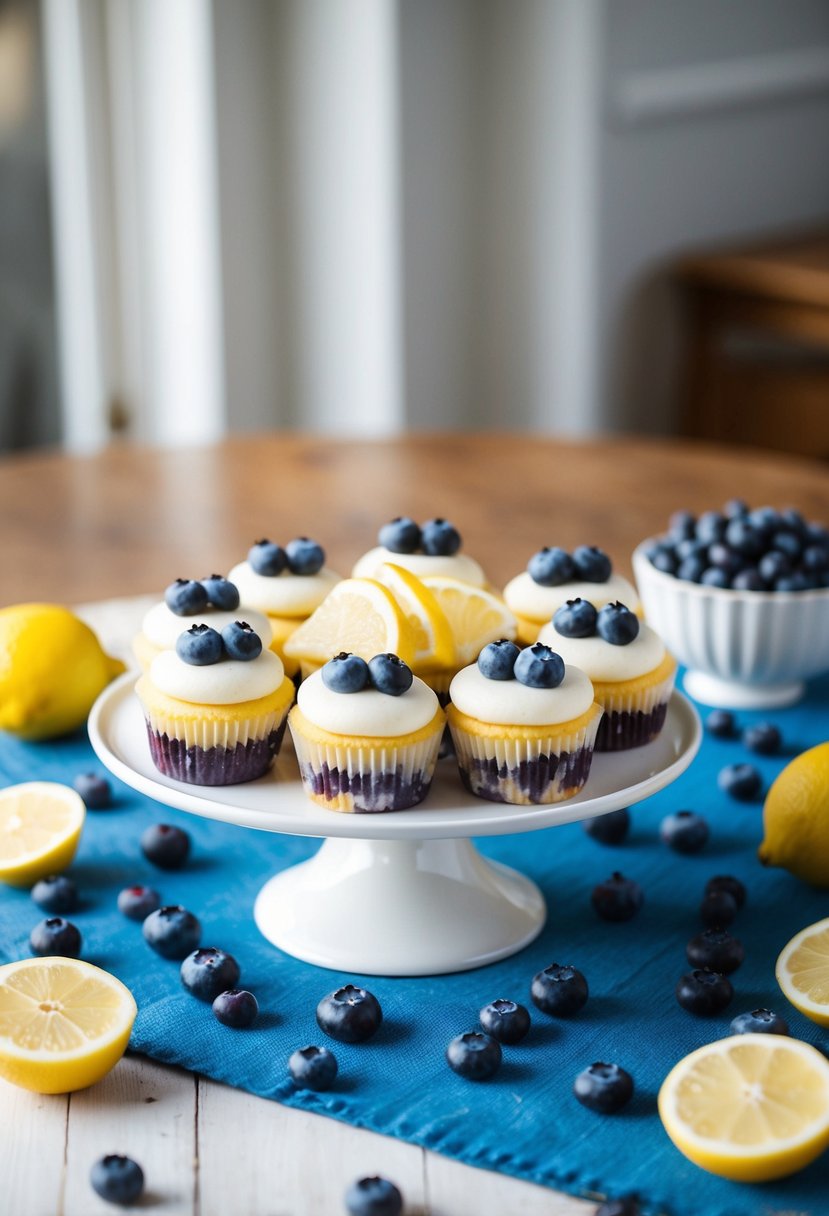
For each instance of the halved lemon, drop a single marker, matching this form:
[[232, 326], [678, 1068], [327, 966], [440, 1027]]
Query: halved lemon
[[475, 616], [40, 825], [750, 1107], [803, 971], [359, 615], [63, 1023], [432, 634]]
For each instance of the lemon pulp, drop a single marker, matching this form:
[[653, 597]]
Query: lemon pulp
[[803, 971], [40, 825]]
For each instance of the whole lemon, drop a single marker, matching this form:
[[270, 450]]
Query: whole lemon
[[796, 818], [52, 668]]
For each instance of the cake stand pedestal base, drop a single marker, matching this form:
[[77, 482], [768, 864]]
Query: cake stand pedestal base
[[732, 694], [399, 907]]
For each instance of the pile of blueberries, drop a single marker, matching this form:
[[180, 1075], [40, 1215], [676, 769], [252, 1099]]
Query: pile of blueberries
[[614, 623], [300, 556], [436, 538], [348, 673], [745, 550], [551, 566]]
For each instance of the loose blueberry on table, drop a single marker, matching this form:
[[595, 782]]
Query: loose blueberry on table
[[400, 535], [611, 828], [684, 832], [505, 1020], [390, 675], [186, 597], [539, 666], [138, 902], [497, 660], [759, 1021], [704, 993], [55, 936], [764, 738], [731, 885], [592, 564], [629, 1206], [236, 1008], [575, 619], [117, 1179], [350, 1014], [718, 908], [267, 558], [200, 646], [208, 971], [474, 1055], [346, 673], [95, 791], [559, 990], [715, 950], [617, 898], [56, 894], [740, 781], [221, 593], [241, 642], [373, 1197], [605, 1088], [720, 723], [172, 931], [313, 1068], [165, 846], [305, 556], [551, 566]]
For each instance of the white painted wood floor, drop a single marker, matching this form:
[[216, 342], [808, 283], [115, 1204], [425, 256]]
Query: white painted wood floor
[[208, 1150]]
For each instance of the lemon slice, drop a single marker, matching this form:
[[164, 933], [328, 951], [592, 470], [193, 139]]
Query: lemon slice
[[40, 825], [359, 615], [750, 1107], [431, 632], [475, 616], [63, 1023], [803, 971]]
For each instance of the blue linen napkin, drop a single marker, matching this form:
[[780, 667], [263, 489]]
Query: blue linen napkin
[[525, 1121]]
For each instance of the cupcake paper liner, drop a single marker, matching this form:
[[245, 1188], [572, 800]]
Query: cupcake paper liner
[[632, 719], [208, 752], [386, 776], [527, 771]]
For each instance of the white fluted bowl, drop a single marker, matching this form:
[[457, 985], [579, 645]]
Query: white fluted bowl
[[742, 649]]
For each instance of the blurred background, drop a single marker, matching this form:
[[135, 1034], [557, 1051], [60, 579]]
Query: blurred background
[[365, 216]]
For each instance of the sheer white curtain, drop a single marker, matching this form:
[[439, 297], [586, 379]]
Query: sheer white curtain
[[366, 215]]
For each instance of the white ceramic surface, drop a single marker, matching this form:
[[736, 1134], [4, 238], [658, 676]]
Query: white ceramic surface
[[743, 649], [421, 900]]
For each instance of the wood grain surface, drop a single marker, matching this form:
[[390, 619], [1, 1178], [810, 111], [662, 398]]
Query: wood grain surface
[[130, 520]]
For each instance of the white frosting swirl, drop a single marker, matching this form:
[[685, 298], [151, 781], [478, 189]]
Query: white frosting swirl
[[162, 627], [283, 594], [458, 566], [511, 703], [224, 683], [529, 599], [603, 661], [368, 712]]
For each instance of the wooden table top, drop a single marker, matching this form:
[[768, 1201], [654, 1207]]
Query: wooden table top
[[129, 520], [794, 269]]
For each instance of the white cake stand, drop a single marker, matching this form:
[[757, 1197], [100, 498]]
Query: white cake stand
[[393, 894]]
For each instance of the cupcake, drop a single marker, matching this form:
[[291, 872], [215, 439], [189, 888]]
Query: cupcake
[[366, 734], [554, 576], [214, 601], [632, 672], [523, 724], [215, 706], [286, 584], [433, 549]]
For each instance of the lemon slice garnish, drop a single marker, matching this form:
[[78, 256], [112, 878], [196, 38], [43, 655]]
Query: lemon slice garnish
[[63, 1023], [803, 971], [40, 825], [750, 1107], [431, 631], [475, 616], [358, 615]]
